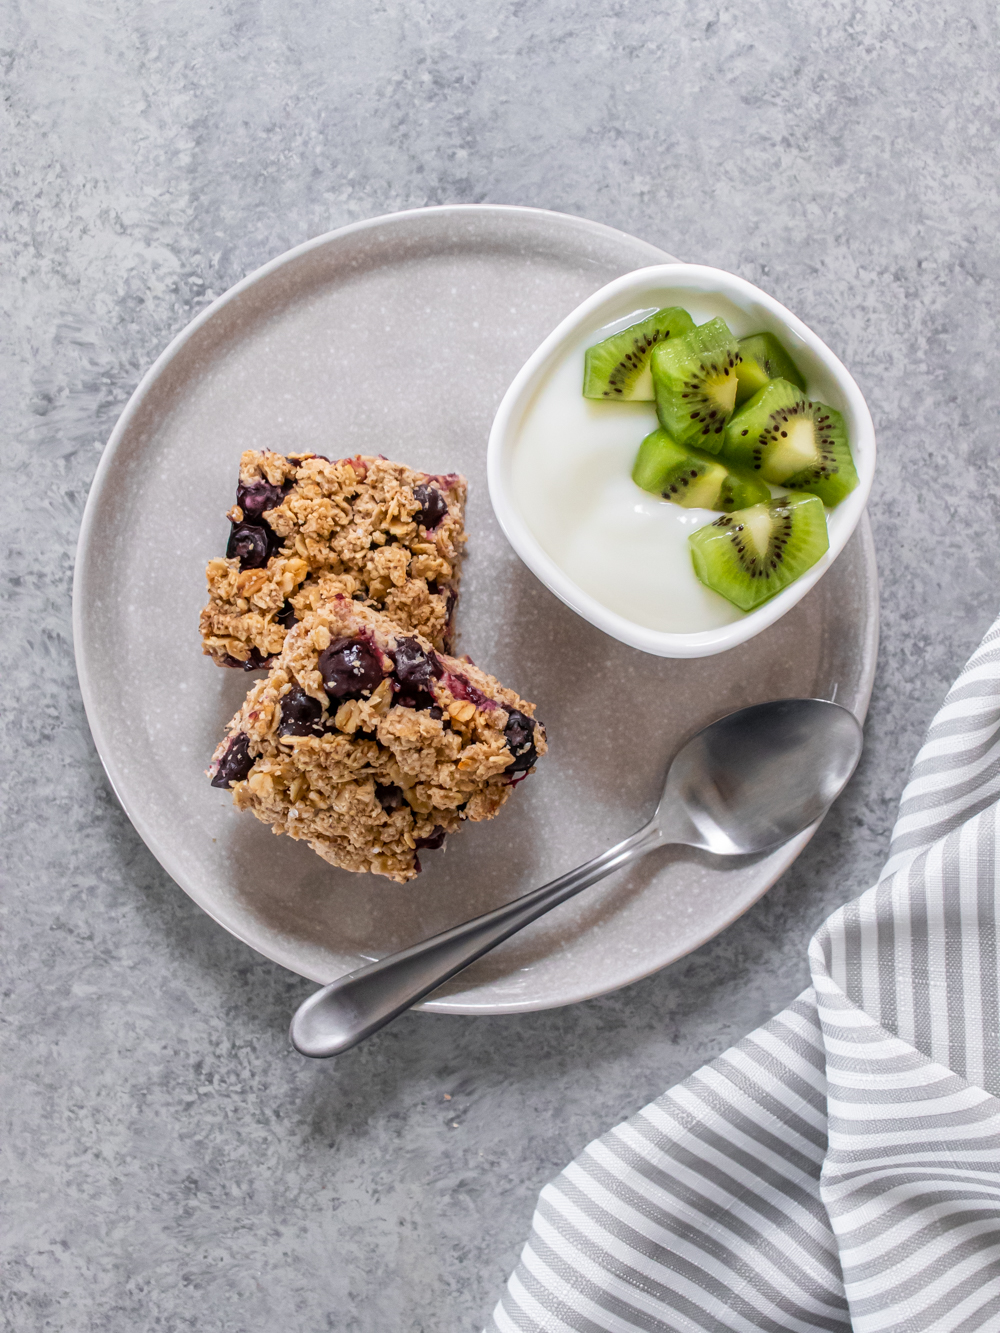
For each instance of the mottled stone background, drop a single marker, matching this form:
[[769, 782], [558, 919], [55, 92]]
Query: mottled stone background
[[169, 1162]]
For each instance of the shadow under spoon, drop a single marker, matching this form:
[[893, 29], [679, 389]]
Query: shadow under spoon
[[744, 784]]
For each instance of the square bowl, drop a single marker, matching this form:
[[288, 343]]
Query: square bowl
[[705, 292]]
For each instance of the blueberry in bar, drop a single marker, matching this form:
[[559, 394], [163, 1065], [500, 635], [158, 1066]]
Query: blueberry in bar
[[366, 742], [304, 527]]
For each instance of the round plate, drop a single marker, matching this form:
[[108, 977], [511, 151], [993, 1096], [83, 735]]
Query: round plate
[[400, 336]]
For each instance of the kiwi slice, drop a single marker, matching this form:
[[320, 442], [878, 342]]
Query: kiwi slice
[[764, 359], [694, 377], [618, 367], [787, 439], [739, 490], [693, 479], [751, 554]]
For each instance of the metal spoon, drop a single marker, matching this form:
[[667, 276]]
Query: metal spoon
[[746, 783]]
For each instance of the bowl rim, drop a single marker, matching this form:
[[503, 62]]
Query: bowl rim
[[503, 433]]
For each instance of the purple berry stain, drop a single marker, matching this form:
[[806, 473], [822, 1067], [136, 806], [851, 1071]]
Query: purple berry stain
[[460, 688]]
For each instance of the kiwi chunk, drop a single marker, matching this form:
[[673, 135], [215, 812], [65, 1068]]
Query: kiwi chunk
[[785, 438], [618, 367], [693, 479], [694, 377], [751, 554], [740, 490], [764, 359]]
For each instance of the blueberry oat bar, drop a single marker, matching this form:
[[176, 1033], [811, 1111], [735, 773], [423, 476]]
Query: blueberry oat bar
[[304, 527], [370, 745]]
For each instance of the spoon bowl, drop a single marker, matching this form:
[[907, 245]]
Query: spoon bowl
[[750, 781], [744, 784]]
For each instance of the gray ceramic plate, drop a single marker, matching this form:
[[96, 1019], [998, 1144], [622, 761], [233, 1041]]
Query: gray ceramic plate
[[400, 336]]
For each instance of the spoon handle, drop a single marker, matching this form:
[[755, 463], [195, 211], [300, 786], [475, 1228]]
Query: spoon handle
[[354, 1006]]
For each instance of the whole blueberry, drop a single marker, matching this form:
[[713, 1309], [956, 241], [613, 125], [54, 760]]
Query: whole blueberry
[[286, 616], [433, 841], [250, 543], [349, 667], [433, 506], [389, 798], [519, 734], [300, 714], [415, 669], [236, 763], [255, 497]]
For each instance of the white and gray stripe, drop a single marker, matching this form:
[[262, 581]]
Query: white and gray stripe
[[839, 1169]]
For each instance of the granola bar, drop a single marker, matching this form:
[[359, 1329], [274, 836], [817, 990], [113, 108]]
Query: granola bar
[[305, 528], [370, 745]]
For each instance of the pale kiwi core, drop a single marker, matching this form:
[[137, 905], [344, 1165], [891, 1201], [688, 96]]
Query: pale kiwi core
[[571, 474], [758, 525], [720, 391], [642, 389], [797, 450]]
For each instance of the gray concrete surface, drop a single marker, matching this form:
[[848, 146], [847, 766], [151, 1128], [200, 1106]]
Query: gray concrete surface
[[168, 1162]]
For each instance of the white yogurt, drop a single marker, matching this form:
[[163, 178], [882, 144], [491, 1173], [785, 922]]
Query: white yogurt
[[572, 466]]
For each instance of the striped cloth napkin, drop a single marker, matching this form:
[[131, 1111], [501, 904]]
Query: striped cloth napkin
[[840, 1168]]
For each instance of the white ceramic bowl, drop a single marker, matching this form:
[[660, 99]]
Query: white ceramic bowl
[[708, 292]]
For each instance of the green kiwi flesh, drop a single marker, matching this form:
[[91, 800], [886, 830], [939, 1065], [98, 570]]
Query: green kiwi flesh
[[694, 378], [618, 367], [751, 554], [764, 359], [786, 439], [693, 479]]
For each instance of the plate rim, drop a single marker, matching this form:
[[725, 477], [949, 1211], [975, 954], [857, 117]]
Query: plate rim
[[82, 556]]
